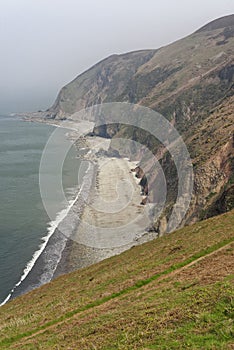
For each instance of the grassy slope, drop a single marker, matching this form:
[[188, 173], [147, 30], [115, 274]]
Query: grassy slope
[[172, 293]]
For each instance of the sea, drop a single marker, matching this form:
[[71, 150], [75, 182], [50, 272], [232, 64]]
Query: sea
[[30, 245]]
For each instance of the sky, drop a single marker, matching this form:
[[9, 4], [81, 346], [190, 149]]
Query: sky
[[46, 43]]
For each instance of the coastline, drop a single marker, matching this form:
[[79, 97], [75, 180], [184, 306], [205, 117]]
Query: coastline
[[111, 181], [40, 267], [75, 253]]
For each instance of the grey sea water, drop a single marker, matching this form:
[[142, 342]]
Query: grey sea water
[[24, 223]]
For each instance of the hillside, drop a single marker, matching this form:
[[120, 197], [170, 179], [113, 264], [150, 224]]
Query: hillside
[[175, 292], [200, 61], [104, 82], [190, 82], [218, 23]]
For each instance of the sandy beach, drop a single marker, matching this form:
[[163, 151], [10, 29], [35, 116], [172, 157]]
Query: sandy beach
[[110, 218], [113, 220]]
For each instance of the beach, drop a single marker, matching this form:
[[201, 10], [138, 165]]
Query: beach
[[113, 219], [102, 217]]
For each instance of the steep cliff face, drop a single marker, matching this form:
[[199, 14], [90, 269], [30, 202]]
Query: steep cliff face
[[190, 82], [102, 83], [180, 80]]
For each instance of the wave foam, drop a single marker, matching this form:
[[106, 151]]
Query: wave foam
[[52, 226]]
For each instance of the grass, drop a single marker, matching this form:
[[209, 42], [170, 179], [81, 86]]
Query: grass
[[150, 297]]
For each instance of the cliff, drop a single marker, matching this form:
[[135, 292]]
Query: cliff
[[190, 82], [104, 82], [156, 78]]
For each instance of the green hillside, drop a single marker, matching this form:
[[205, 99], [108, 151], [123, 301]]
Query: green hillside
[[176, 292]]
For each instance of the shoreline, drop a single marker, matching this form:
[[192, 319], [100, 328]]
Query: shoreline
[[82, 251], [41, 267], [75, 253]]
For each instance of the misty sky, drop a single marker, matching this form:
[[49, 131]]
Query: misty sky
[[47, 43]]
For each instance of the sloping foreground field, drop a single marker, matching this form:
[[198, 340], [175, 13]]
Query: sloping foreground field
[[176, 292]]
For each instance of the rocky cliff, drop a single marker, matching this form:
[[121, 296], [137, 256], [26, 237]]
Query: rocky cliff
[[190, 82], [104, 82]]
